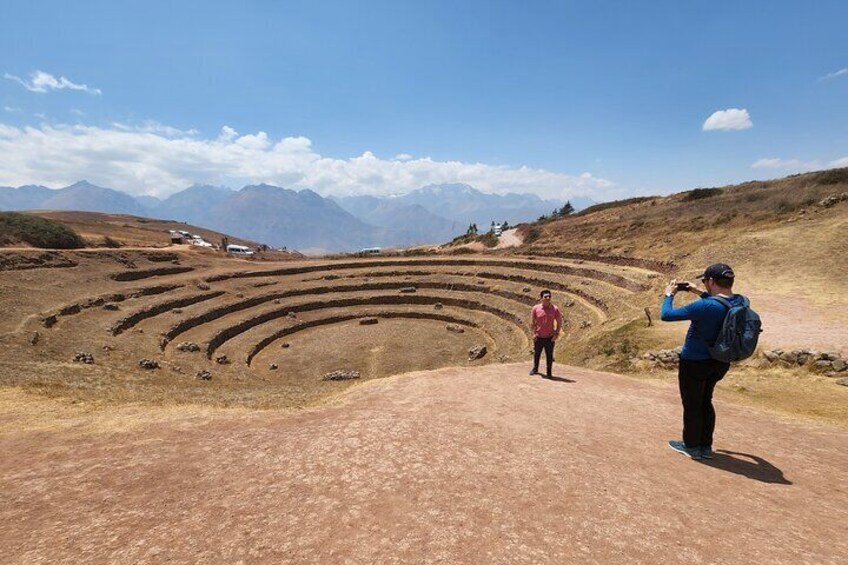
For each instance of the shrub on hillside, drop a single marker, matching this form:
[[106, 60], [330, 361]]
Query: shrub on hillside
[[111, 242], [38, 232], [833, 176], [488, 239], [531, 234], [614, 204], [700, 193]]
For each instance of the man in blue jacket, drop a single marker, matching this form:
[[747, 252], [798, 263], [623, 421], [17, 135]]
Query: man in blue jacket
[[699, 372]]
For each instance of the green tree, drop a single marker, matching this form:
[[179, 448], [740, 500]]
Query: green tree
[[567, 209]]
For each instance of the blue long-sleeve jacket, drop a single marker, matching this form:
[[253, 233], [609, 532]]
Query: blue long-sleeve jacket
[[707, 316]]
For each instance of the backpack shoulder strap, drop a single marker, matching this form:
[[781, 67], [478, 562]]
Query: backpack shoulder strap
[[723, 301]]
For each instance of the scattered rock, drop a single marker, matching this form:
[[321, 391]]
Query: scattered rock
[[177, 311], [664, 356], [202, 286], [177, 369], [569, 303], [70, 310], [438, 306], [368, 321], [188, 347], [285, 345], [822, 365], [653, 275], [203, 375], [222, 360], [33, 339], [408, 289], [833, 199], [585, 324], [330, 277], [843, 381], [111, 306], [839, 365], [341, 375], [790, 357], [148, 364], [106, 348], [239, 295], [526, 289], [276, 301], [139, 331], [273, 366], [82, 357], [477, 352], [291, 315], [48, 321], [771, 356], [455, 328]]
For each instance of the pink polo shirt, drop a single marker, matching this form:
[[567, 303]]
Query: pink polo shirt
[[543, 320]]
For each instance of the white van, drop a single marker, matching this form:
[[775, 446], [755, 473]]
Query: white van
[[366, 251], [239, 250]]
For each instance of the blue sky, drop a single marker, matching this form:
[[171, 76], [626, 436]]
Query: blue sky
[[606, 99]]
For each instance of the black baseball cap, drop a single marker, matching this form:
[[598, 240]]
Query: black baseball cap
[[717, 271]]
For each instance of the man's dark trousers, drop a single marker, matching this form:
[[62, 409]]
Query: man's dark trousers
[[546, 343], [697, 381]]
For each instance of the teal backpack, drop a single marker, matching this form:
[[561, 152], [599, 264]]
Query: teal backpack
[[738, 336]]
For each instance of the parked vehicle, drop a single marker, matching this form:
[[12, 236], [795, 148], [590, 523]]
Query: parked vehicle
[[366, 251], [239, 250], [200, 242]]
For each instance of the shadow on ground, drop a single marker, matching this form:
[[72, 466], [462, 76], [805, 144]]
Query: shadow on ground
[[558, 379], [748, 465]]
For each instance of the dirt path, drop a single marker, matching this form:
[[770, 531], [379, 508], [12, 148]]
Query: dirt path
[[509, 238], [456, 466]]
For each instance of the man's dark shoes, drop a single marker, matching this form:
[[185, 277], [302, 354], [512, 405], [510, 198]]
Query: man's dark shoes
[[690, 452], [707, 453], [533, 372]]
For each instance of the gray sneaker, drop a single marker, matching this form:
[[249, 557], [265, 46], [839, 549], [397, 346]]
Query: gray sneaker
[[707, 453], [690, 452]]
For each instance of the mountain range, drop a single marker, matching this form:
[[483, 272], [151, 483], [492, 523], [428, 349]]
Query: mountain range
[[303, 219]]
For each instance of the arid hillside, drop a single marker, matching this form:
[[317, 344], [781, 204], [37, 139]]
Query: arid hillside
[[177, 404], [785, 238], [802, 215], [221, 331]]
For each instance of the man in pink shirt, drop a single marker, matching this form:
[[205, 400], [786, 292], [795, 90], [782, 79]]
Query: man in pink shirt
[[546, 323]]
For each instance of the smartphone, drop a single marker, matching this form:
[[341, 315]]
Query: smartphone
[[682, 286]]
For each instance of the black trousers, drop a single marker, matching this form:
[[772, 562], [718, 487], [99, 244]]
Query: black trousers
[[546, 343], [697, 381]]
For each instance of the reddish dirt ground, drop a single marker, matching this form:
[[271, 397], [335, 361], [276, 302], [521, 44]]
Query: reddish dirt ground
[[456, 465]]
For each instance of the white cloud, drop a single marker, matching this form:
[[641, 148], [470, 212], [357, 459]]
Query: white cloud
[[157, 128], [39, 81], [777, 163], [798, 165], [158, 160], [403, 157], [11, 110], [835, 74], [730, 119]]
